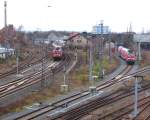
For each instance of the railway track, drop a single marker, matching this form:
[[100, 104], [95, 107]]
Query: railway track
[[58, 104], [125, 108], [88, 106], [31, 60], [67, 100], [32, 78], [143, 111], [94, 101]]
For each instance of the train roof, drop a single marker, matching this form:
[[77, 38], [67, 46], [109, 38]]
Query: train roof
[[124, 48], [56, 45]]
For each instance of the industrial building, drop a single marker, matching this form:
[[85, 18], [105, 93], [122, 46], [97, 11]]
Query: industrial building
[[98, 30]]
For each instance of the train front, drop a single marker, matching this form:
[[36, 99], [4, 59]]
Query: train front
[[131, 58], [57, 53]]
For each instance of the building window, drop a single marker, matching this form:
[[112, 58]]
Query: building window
[[78, 41]]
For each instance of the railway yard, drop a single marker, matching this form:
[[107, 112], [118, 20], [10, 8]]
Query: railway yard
[[74, 60], [42, 87]]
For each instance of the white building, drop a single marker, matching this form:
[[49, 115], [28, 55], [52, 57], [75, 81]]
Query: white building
[[6, 51]]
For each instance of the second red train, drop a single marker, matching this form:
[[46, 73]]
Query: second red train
[[127, 54]]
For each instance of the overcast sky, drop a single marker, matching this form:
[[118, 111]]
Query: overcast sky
[[77, 15]]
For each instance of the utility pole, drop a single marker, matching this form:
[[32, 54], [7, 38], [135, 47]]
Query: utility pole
[[64, 74], [101, 51], [92, 78], [90, 67], [109, 39], [43, 55], [139, 51], [17, 47], [17, 58], [135, 97], [85, 36], [135, 112], [6, 29]]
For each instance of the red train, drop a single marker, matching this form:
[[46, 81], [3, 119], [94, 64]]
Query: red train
[[57, 53], [127, 54]]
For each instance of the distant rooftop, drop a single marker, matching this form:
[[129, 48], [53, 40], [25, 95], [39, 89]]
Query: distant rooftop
[[141, 38]]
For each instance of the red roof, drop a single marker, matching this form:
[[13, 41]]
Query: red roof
[[73, 34]]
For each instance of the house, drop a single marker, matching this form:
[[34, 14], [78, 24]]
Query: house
[[56, 36], [52, 37], [77, 40], [6, 51]]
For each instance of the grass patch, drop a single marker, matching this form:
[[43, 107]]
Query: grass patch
[[2, 61], [43, 95], [80, 74], [105, 64]]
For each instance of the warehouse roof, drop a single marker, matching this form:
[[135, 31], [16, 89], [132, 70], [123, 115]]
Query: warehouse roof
[[141, 38]]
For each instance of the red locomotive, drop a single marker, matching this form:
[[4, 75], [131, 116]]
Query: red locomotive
[[127, 54], [57, 53]]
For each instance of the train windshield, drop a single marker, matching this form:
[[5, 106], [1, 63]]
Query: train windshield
[[58, 49], [130, 51]]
